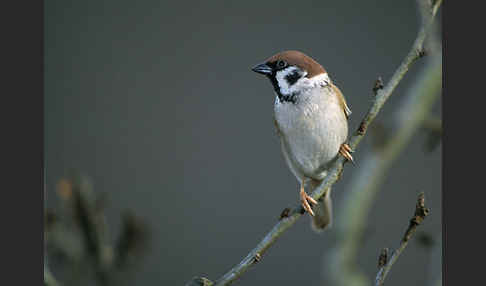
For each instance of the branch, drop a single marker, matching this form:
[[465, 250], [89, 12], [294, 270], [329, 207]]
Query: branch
[[80, 233], [336, 169], [92, 221], [353, 212], [420, 213], [199, 281]]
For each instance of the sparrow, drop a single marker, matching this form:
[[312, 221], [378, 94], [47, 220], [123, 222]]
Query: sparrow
[[311, 118]]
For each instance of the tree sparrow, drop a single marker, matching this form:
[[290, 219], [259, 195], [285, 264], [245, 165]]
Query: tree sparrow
[[310, 114]]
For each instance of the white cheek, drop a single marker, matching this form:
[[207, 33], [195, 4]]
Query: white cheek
[[282, 82], [302, 84], [284, 86]]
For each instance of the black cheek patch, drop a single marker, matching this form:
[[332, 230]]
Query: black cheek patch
[[293, 77]]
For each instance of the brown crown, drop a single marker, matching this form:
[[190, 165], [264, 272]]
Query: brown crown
[[299, 59]]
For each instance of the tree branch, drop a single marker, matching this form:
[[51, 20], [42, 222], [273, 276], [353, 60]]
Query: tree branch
[[336, 169], [353, 212], [420, 213], [80, 233]]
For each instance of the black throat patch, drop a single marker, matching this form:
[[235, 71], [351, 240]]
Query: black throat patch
[[288, 98], [292, 98]]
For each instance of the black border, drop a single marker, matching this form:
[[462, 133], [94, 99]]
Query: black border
[[462, 112], [22, 134]]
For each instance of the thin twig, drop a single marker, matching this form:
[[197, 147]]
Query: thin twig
[[93, 225], [420, 213], [353, 212], [336, 169], [199, 281], [81, 232]]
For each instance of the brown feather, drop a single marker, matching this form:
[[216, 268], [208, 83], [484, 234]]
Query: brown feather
[[279, 133], [299, 59], [342, 100], [312, 67]]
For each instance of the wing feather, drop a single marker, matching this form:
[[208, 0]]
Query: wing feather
[[342, 101]]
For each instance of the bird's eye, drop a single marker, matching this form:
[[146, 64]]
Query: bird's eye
[[281, 64]]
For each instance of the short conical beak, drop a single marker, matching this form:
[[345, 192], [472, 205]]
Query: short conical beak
[[263, 69]]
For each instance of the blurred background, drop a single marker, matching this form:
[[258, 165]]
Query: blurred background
[[156, 103]]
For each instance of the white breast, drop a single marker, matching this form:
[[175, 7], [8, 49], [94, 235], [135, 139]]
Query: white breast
[[312, 130]]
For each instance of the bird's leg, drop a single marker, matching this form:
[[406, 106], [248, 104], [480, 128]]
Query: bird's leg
[[346, 151], [305, 199]]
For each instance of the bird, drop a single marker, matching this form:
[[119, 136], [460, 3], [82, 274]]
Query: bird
[[311, 120]]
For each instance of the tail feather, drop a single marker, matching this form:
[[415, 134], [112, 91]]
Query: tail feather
[[323, 213]]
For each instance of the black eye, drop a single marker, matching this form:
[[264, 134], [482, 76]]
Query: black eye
[[281, 64]]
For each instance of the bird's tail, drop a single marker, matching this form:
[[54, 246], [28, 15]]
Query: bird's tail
[[322, 218]]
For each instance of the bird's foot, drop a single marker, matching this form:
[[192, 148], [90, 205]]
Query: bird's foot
[[305, 199], [346, 151]]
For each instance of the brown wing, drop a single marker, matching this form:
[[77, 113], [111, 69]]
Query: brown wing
[[276, 127], [342, 101]]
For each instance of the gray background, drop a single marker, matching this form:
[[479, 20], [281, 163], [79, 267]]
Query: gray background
[[155, 101]]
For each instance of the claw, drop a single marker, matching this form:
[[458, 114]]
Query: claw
[[305, 199], [346, 146], [311, 199], [345, 151]]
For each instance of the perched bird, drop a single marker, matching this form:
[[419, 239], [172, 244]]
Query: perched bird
[[311, 117]]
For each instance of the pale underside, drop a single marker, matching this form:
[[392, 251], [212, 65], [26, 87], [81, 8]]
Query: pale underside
[[311, 131]]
